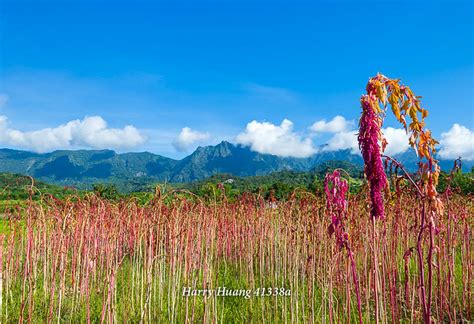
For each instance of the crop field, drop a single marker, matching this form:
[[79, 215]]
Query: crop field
[[98, 261]]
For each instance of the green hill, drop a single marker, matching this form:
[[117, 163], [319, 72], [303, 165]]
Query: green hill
[[132, 171]]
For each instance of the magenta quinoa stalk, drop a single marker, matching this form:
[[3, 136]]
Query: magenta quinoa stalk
[[336, 208], [380, 91], [369, 136]]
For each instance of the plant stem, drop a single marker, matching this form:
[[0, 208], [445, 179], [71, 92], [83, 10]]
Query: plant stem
[[376, 297], [420, 264], [356, 283]]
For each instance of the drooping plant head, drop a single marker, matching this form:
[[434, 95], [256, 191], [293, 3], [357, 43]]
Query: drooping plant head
[[336, 188], [404, 104], [370, 134]]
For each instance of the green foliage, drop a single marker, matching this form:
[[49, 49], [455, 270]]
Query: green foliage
[[461, 181], [354, 170], [107, 191], [18, 187], [279, 185]]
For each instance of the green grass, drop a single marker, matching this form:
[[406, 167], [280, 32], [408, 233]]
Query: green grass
[[231, 309]]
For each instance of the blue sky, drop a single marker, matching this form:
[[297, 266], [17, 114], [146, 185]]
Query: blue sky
[[214, 67]]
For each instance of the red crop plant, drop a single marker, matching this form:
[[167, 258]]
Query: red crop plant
[[336, 208], [404, 104]]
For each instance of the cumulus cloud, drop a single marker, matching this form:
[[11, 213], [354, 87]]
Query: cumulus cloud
[[342, 141], [457, 142], [396, 137], [397, 140], [336, 125], [188, 137], [265, 137], [91, 132]]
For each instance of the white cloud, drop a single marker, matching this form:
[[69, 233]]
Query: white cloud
[[397, 140], [336, 125], [91, 132], [457, 142], [280, 140], [342, 141], [187, 138], [396, 137]]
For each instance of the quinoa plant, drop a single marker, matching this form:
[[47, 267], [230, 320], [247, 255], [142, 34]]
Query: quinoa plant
[[404, 104], [336, 208]]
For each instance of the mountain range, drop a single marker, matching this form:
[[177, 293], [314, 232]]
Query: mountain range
[[81, 168]]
